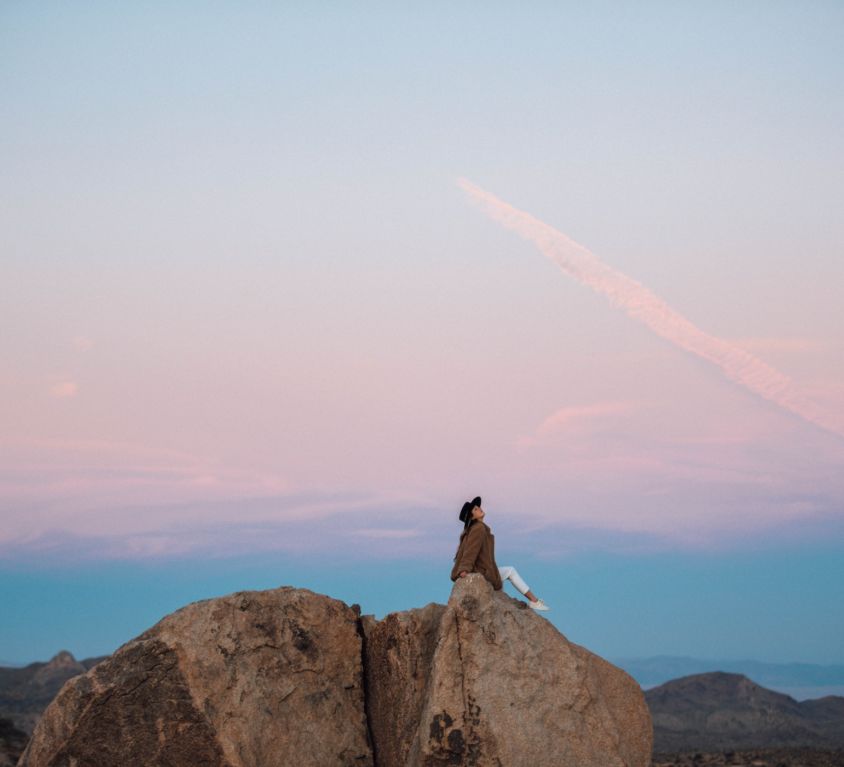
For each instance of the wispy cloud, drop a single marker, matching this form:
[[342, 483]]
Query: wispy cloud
[[790, 345], [300, 524], [115, 499], [81, 500], [68, 477], [387, 533], [567, 417], [643, 305], [64, 389]]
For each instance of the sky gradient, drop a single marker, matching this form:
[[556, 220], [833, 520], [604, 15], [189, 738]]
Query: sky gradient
[[254, 330]]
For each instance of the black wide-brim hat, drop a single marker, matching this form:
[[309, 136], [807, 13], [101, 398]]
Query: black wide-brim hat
[[466, 511]]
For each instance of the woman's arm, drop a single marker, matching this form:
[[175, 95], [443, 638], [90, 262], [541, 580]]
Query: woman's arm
[[474, 539]]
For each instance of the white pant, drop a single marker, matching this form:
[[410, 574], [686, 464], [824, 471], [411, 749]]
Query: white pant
[[509, 574]]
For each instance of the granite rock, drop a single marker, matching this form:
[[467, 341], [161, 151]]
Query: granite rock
[[247, 680], [289, 677], [486, 682]]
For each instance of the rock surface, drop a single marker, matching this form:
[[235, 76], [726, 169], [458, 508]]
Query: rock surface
[[248, 680], [398, 663], [486, 682], [718, 711], [289, 677]]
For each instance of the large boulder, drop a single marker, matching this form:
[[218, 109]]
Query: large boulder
[[288, 677], [486, 682], [248, 680]]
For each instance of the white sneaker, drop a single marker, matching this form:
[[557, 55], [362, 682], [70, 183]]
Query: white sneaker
[[539, 606]]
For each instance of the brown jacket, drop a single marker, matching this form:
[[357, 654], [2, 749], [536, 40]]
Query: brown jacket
[[476, 554]]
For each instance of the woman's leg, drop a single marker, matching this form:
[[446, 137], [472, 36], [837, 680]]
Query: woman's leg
[[509, 574]]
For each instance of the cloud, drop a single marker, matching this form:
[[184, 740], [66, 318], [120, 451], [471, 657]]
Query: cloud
[[567, 417], [299, 525], [64, 389], [85, 481], [80, 500], [386, 533], [643, 305], [783, 345], [660, 501], [82, 343], [107, 499]]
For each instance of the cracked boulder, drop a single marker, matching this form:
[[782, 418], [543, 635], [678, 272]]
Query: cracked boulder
[[486, 682], [247, 680]]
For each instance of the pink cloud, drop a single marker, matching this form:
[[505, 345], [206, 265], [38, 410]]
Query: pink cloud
[[783, 345], [94, 485], [641, 304], [567, 417], [385, 533], [64, 389]]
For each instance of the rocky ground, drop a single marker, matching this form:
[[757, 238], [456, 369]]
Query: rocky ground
[[769, 757]]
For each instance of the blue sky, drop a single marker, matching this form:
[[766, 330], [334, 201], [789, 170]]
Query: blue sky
[[716, 605], [251, 321]]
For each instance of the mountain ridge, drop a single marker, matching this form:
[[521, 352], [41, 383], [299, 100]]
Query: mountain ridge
[[25, 691], [800, 680], [718, 710]]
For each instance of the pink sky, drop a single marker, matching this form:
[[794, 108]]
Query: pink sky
[[141, 431], [642, 305], [240, 287]]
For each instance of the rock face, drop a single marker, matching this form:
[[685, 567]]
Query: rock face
[[289, 677], [486, 682], [718, 711], [248, 680], [398, 663]]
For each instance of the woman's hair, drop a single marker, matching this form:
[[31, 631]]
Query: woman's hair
[[465, 531]]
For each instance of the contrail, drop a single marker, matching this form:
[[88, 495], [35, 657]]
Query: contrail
[[643, 305]]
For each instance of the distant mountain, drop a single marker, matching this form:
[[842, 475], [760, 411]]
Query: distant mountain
[[26, 691], [800, 680], [718, 711]]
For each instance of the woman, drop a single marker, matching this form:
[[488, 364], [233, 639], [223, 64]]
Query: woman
[[476, 554]]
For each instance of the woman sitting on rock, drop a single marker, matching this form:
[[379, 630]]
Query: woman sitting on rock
[[476, 554]]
